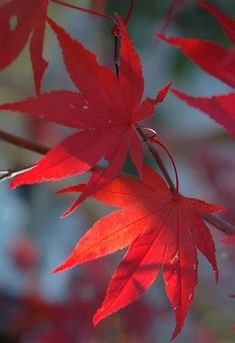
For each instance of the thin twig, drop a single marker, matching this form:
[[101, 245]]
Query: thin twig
[[85, 10], [129, 13], [10, 174], [219, 223], [23, 143], [158, 160]]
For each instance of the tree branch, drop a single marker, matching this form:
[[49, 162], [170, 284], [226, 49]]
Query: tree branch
[[219, 223], [23, 143], [20, 143], [158, 160]]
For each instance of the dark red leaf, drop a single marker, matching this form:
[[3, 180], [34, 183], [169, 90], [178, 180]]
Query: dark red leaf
[[18, 21], [106, 109], [221, 108], [226, 22], [206, 55]]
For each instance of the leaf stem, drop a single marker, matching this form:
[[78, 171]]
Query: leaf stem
[[129, 13], [85, 10], [116, 54], [158, 160], [23, 143], [155, 140], [116, 34]]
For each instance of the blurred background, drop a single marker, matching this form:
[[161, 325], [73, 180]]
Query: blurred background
[[37, 306]]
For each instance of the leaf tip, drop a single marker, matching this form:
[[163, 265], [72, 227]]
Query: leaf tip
[[176, 332], [95, 321], [13, 185], [98, 316], [56, 270], [163, 93], [65, 214], [62, 267], [161, 37]]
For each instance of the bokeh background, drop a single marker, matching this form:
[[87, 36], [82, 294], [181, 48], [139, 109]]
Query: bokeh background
[[39, 307]]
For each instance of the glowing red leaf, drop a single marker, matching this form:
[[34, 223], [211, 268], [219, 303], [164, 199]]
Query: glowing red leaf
[[18, 21], [163, 231], [106, 110]]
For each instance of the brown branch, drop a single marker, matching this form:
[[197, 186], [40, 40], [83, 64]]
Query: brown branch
[[158, 160], [220, 224], [129, 13], [23, 143]]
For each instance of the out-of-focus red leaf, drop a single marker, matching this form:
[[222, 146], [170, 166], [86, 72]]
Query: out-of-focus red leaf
[[99, 5], [227, 23], [206, 55], [229, 240], [18, 21], [220, 108], [172, 12], [163, 231], [218, 162], [24, 253]]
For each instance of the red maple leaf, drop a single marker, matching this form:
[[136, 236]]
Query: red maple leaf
[[18, 21], [106, 111], [218, 62], [162, 230], [227, 23], [219, 107]]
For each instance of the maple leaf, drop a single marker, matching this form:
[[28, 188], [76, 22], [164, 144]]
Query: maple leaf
[[227, 23], [220, 108], [106, 111], [206, 55], [162, 230], [18, 21]]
